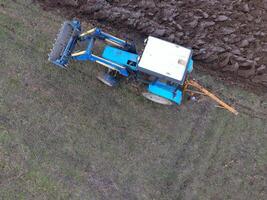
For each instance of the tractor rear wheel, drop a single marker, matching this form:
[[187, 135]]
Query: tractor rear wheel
[[157, 99]]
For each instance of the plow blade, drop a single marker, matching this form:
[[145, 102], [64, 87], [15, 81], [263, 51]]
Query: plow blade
[[65, 43]]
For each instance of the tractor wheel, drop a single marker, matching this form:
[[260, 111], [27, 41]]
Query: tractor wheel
[[157, 99], [107, 79]]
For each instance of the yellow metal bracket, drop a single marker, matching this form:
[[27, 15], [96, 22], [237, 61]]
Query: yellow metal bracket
[[88, 32], [78, 53]]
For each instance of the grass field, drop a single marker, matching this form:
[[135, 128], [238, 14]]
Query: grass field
[[64, 135]]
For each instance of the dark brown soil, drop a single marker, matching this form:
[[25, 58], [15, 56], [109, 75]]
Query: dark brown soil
[[227, 36]]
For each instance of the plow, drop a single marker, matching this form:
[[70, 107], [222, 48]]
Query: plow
[[162, 66]]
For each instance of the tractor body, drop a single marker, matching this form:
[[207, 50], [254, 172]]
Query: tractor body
[[167, 64]]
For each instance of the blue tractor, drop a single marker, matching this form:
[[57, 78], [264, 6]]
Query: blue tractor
[[164, 66]]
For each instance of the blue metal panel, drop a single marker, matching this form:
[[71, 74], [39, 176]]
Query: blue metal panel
[[166, 91], [120, 57], [190, 66]]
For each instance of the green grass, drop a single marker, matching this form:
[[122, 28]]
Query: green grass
[[63, 135]]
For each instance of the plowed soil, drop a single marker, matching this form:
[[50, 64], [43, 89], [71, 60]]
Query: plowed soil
[[227, 36]]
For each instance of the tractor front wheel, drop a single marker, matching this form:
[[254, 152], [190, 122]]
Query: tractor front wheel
[[108, 79]]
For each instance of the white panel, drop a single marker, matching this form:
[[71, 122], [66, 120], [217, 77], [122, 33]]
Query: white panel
[[165, 58]]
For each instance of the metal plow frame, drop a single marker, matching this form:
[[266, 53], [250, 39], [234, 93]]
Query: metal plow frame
[[65, 43]]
